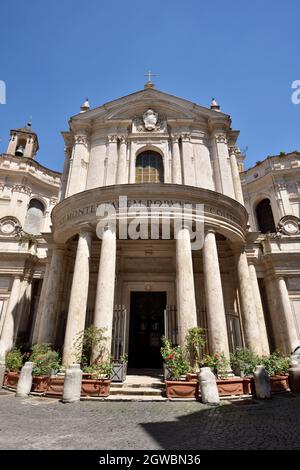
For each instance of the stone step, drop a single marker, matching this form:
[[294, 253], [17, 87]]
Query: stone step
[[159, 385], [140, 391], [126, 398]]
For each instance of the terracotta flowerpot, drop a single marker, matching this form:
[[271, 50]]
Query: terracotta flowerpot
[[279, 383], [248, 385], [55, 386], [40, 383], [192, 377], [95, 387], [182, 389], [230, 386], [11, 379]]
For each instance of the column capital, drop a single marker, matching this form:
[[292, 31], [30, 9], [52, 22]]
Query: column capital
[[175, 138], [186, 137], [123, 139], [112, 138]]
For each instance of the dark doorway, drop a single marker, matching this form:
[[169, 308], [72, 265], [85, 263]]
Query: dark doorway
[[146, 329]]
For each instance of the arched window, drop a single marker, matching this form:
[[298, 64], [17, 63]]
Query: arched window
[[265, 217], [149, 168], [34, 217]]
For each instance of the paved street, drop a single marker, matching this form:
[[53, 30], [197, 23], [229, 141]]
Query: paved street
[[41, 423]]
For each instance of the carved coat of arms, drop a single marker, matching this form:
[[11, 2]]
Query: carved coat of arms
[[150, 119]]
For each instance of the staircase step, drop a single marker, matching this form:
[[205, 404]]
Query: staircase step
[[136, 391], [158, 385], [126, 398]]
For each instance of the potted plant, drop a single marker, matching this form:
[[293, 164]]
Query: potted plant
[[220, 366], [120, 369], [97, 381], [243, 363], [277, 366], [13, 364], [46, 362], [56, 383], [167, 354], [194, 346], [177, 385], [97, 372]]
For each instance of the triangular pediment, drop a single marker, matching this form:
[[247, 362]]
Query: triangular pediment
[[130, 106]]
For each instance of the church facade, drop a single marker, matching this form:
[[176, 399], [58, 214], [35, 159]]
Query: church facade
[[111, 240]]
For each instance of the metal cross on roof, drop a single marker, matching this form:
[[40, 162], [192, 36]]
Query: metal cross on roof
[[149, 74]]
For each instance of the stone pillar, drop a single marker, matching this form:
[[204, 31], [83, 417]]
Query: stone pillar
[[176, 161], [188, 160], [12, 146], [274, 310], [72, 384], [286, 317], [249, 316], [112, 162], [8, 329], [185, 290], [40, 308], [104, 305], [217, 329], [25, 380], [78, 164], [47, 331], [259, 311], [78, 297], [236, 177], [122, 176], [224, 165], [64, 178]]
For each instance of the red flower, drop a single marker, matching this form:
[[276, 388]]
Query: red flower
[[169, 357]]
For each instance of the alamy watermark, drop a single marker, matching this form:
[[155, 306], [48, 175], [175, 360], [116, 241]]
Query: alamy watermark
[[151, 221], [296, 94], [2, 92]]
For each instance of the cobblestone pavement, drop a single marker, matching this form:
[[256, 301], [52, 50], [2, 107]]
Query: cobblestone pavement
[[41, 423]]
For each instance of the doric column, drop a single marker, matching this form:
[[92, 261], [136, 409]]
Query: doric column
[[41, 303], [23, 316], [188, 160], [286, 317], [259, 311], [185, 290], [8, 329], [78, 164], [104, 305], [176, 163], [249, 316], [48, 305], [122, 177], [236, 176], [78, 297], [112, 161], [217, 329]]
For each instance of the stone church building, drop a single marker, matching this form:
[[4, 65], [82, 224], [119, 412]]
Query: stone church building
[[151, 148]]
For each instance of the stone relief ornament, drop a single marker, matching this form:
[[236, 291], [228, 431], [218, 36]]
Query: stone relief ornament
[[9, 225], [150, 119], [289, 225]]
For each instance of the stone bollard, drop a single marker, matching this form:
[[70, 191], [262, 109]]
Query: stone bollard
[[2, 372], [72, 384], [262, 383], [25, 380], [294, 377], [208, 387]]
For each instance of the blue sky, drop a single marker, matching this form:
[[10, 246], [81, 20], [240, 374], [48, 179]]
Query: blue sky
[[245, 54]]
